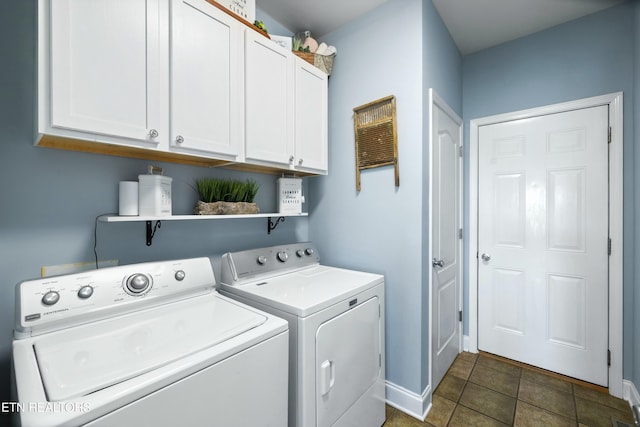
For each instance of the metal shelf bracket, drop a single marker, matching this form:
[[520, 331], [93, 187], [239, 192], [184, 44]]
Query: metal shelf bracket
[[272, 225], [151, 231]]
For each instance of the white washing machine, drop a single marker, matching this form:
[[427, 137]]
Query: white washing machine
[[336, 327], [149, 344]]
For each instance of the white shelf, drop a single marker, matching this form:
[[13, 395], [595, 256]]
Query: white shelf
[[117, 218], [151, 229]]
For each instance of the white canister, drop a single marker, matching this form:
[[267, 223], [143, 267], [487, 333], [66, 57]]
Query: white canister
[[154, 195], [128, 198]]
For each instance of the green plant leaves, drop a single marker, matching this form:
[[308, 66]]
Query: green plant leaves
[[226, 190]]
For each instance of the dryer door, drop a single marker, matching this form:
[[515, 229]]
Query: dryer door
[[348, 360]]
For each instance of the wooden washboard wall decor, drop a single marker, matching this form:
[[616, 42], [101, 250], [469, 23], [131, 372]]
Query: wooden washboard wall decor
[[376, 136]]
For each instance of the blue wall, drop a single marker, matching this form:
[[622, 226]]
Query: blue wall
[[590, 56], [383, 228], [50, 198]]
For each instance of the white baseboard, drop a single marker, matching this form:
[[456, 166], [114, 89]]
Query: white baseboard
[[465, 342], [410, 403], [630, 393]]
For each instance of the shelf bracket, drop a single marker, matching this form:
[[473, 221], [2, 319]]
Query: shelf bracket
[[272, 225], [151, 231]]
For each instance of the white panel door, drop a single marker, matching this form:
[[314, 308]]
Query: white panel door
[[543, 242], [348, 356], [106, 67], [445, 213], [269, 101], [206, 78], [311, 118]]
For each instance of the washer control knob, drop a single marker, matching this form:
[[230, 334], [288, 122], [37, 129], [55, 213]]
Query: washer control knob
[[85, 292], [262, 260], [283, 256], [300, 253], [50, 298], [138, 283], [179, 275], [309, 251]]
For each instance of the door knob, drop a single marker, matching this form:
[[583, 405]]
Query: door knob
[[437, 263], [486, 257]]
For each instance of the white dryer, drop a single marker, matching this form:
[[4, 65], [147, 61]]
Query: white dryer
[[336, 330], [149, 344]]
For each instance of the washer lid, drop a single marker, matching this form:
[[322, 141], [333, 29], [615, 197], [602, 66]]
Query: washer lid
[[81, 360], [306, 291]]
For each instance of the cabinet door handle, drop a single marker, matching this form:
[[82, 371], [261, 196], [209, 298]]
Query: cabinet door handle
[[291, 158], [153, 133], [179, 139], [300, 161]]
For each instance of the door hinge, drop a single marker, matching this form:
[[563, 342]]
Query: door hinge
[[460, 233], [608, 357], [609, 246], [460, 316], [461, 151], [380, 360], [609, 136]]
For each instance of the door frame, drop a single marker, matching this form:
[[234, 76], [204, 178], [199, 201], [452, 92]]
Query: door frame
[[435, 99], [615, 103]]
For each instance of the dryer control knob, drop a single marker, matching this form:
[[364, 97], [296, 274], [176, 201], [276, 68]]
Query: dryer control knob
[[138, 283], [85, 292], [262, 260], [309, 251], [283, 256], [179, 275], [300, 253], [50, 298]]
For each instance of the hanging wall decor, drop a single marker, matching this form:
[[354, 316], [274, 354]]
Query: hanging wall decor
[[376, 136]]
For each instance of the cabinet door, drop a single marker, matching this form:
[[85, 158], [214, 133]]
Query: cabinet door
[[206, 77], [269, 101], [105, 67], [311, 87]]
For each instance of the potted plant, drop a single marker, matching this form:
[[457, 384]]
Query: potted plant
[[221, 196]]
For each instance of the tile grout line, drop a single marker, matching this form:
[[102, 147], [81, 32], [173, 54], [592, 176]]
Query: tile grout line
[[575, 402], [515, 410], [466, 381]]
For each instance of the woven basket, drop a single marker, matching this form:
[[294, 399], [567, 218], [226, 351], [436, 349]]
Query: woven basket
[[323, 62]]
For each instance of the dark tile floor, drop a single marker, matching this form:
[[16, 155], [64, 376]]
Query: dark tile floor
[[480, 390]]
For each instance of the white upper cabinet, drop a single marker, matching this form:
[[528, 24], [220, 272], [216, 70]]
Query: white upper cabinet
[[285, 109], [175, 80], [101, 69], [206, 80], [311, 118], [269, 101]]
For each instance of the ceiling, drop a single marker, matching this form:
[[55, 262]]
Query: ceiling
[[479, 24], [473, 24]]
